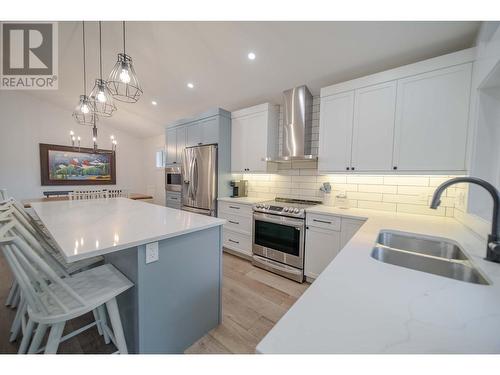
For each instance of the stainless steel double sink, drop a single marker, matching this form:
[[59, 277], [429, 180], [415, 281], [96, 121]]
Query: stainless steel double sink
[[427, 254]]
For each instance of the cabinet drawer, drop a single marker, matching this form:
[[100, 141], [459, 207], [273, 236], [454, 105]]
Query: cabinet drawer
[[177, 206], [323, 221], [173, 197], [237, 223], [173, 200], [235, 208], [237, 241]]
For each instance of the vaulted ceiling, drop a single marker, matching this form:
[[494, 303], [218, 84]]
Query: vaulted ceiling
[[213, 56]]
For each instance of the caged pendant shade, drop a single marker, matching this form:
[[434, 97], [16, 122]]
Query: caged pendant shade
[[83, 113], [123, 82], [100, 96]]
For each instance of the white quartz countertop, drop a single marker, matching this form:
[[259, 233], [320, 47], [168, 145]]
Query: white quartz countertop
[[361, 305], [87, 228], [243, 200]]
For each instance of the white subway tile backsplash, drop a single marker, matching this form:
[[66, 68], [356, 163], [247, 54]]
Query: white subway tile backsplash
[[421, 209], [410, 194], [437, 180], [376, 197], [406, 180], [381, 206], [345, 187], [412, 199], [335, 179], [415, 190], [369, 180], [389, 189]]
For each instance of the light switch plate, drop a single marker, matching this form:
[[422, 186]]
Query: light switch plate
[[152, 252]]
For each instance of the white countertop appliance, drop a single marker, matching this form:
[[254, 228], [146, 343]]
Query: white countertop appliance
[[279, 236]]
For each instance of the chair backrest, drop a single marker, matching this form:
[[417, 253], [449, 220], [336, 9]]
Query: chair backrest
[[37, 279], [87, 194], [117, 193], [3, 194], [30, 232]]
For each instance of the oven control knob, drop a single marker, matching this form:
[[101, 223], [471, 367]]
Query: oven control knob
[[266, 207], [285, 209], [296, 210]]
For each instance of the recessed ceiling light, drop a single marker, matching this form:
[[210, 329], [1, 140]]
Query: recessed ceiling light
[[153, 102], [251, 56], [190, 85]]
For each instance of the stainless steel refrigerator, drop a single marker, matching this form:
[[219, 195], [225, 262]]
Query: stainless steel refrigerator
[[199, 179]]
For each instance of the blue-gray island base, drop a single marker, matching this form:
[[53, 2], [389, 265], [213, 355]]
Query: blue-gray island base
[[177, 299]]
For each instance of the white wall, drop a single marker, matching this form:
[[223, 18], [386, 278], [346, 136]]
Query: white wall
[[154, 178], [26, 121], [485, 124]]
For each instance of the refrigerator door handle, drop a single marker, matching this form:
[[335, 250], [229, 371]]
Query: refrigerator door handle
[[195, 177]]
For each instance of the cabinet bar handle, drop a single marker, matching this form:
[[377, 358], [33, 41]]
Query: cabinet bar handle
[[322, 221], [233, 241], [233, 222], [236, 208]]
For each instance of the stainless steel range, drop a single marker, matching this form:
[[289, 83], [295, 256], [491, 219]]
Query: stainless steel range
[[279, 236]]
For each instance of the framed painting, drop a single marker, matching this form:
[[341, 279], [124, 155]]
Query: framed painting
[[66, 165]]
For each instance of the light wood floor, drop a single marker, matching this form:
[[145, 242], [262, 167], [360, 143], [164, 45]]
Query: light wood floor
[[253, 300]]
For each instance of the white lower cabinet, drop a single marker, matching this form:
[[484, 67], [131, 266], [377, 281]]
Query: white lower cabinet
[[238, 229], [326, 235], [322, 245], [349, 227]]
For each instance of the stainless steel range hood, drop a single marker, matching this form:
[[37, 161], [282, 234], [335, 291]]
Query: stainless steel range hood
[[297, 125]]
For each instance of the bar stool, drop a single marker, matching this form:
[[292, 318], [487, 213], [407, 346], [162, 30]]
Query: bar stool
[[51, 300]]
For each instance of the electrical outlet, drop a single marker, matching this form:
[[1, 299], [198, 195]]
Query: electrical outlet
[[152, 252]]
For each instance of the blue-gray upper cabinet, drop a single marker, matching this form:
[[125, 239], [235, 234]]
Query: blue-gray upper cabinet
[[210, 127], [176, 142], [202, 132]]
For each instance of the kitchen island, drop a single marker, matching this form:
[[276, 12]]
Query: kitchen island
[[361, 305], [177, 294]]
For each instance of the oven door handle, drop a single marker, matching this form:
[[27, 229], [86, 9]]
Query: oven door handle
[[289, 223]]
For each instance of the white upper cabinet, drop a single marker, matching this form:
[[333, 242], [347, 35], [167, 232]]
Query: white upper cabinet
[[409, 119], [238, 144], [254, 136], [373, 127], [335, 132], [431, 120]]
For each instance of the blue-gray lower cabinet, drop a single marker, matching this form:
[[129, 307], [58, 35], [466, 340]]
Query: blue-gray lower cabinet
[[175, 300]]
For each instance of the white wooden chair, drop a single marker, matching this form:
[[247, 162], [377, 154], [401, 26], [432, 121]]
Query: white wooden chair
[[87, 194], [28, 229], [51, 300], [3, 195], [117, 193]]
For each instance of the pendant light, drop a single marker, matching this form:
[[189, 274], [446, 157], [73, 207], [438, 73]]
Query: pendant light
[[123, 82], [83, 113], [100, 96]]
